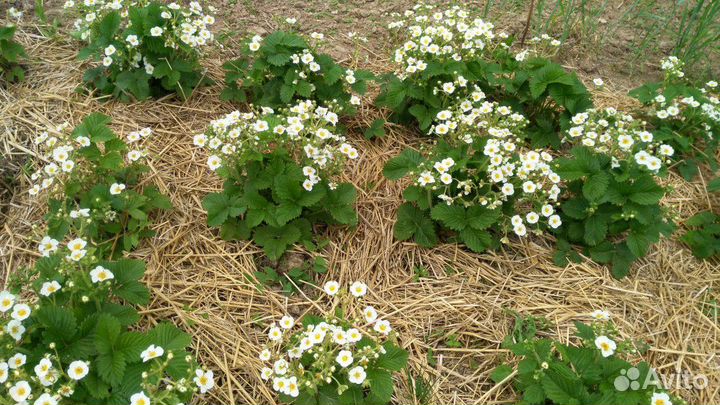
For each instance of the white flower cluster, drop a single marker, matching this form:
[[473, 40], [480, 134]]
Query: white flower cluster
[[308, 68], [524, 177], [54, 384], [76, 248], [672, 66], [441, 36], [454, 34], [59, 147], [182, 28], [332, 344], [15, 373], [688, 108], [619, 136], [544, 45], [306, 130]]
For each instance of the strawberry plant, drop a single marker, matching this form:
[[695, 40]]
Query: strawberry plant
[[10, 54], [704, 234], [683, 116], [611, 207], [144, 48], [279, 170], [703, 237], [348, 356], [591, 372], [92, 177], [70, 332], [445, 54], [476, 183], [284, 67]]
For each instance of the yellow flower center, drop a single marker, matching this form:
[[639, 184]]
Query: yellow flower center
[[79, 370], [605, 346]]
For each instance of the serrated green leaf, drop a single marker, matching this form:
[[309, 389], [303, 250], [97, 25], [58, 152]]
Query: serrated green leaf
[[221, 206], [413, 222], [399, 166], [452, 216], [596, 185]]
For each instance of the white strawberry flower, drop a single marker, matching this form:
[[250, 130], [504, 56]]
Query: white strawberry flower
[[49, 287], [204, 380], [331, 288], [151, 352], [344, 358], [358, 289], [357, 375], [606, 345], [117, 188], [77, 370], [20, 312]]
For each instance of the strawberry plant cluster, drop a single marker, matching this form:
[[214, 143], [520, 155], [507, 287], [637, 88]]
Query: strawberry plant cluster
[[285, 67], [703, 235], [612, 207], [591, 372], [518, 148], [91, 178], [347, 356], [478, 181], [69, 333], [11, 53], [446, 53], [280, 170], [684, 116], [143, 48]]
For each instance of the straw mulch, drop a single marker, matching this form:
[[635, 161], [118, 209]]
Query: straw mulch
[[201, 282]]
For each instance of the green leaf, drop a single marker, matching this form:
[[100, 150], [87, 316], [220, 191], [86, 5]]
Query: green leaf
[[381, 386], [376, 129], [414, 222], [394, 359], [59, 323], [646, 191], [479, 217], [550, 73], [714, 185], [399, 166], [596, 185], [584, 332], [131, 345], [107, 332], [339, 203], [595, 229], [126, 270], [500, 373], [638, 243], [423, 116], [221, 206], [169, 337], [702, 218], [111, 367], [475, 239], [622, 260], [452, 216], [275, 241], [94, 126]]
